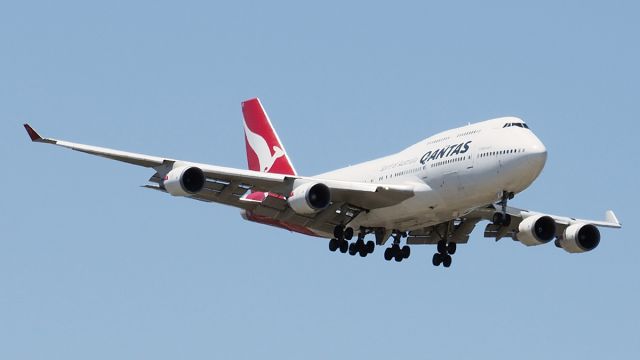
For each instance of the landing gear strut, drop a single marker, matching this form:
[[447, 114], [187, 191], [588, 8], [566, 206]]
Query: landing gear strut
[[502, 218], [395, 251]]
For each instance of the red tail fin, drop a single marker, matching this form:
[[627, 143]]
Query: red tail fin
[[265, 152]]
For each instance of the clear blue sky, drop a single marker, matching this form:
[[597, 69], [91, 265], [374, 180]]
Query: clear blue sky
[[93, 266]]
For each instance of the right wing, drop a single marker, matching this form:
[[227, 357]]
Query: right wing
[[229, 185]]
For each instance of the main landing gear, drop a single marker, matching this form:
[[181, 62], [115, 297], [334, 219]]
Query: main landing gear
[[502, 218], [341, 241], [395, 251], [445, 248], [443, 256]]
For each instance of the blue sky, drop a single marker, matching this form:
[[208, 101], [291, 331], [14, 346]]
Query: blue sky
[[93, 266]]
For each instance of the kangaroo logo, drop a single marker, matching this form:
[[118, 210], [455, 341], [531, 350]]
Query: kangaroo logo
[[259, 145]]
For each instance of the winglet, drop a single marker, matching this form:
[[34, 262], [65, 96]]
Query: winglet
[[32, 133], [611, 218], [36, 137]]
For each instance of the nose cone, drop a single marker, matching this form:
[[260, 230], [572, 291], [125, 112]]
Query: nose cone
[[537, 155]]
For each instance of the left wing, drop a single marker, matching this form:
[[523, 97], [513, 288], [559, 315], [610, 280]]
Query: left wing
[[229, 185]]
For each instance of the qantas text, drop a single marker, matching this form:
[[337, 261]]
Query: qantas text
[[450, 150]]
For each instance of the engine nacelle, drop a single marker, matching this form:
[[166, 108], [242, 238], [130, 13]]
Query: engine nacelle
[[536, 230], [579, 238], [309, 198], [184, 181]]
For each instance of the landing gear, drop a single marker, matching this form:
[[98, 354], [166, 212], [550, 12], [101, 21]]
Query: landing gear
[[445, 248], [343, 234], [362, 248], [335, 244], [444, 259], [502, 218], [443, 256], [395, 251]]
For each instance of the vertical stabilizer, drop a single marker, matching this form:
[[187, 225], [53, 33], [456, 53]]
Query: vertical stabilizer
[[265, 152]]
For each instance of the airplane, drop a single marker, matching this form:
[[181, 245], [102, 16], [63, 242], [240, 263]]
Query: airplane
[[433, 192]]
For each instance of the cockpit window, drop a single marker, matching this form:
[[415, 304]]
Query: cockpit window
[[522, 125]]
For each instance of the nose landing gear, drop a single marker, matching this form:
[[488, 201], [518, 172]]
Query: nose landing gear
[[502, 218]]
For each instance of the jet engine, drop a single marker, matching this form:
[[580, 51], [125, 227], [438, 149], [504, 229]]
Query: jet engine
[[579, 238], [309, 198], [184, 181], [536, 230]]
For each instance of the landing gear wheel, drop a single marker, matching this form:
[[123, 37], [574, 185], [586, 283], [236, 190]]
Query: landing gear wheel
[[338, 231], [333, 245], [363, 252], [361, 248], [442, 247], [348, 233], [451, 248], [406, 251], [370, 246], [388, 254], [446, 260], [344, 246], [352, 249], [437, 259], [398, 256], [498, 218]]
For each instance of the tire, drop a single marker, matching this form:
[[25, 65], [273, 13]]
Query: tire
[[451, 248], [363, 252], [333, 245], [388, 254], [352, 249], [437, 259], [370, 246], [406, 251], [348, 233], [338, 232], [442, 247], [497, 218], [344, 246], [359, 245], [446, 261], [398, 256]]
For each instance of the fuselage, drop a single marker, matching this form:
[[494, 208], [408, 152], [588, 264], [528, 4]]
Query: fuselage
[[452, 173]]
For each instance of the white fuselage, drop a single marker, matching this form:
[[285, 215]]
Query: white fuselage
[[452, 173]]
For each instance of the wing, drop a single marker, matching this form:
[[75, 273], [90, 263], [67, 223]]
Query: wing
[[458, 230], [519, 215], [230, 186]]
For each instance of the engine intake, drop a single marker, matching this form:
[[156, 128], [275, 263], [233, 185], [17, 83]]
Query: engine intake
[[184, 181], [310, 198], [536, 230], [579, 238]]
